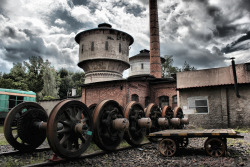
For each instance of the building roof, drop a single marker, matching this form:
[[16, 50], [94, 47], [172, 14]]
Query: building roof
[[144, 54], [103, 26], [213, 77]]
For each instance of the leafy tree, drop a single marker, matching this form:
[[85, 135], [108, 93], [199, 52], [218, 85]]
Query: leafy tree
[[78, 79], [187, 67], [66, 83], [35, 68], [168, 68], [51, 82]]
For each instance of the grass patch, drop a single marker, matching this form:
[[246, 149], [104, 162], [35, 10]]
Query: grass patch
[[1, 129], [242, 130]]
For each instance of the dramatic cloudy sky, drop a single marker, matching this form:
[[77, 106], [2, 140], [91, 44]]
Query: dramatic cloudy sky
[[205, 33]]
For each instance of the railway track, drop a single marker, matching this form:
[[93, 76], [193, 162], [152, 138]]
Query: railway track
[[12, 153]]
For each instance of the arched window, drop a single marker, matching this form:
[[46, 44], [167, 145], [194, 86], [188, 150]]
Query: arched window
[[141, 65], [163, 101], [174, 101], [106, 45], [147, 101], [135, 97]]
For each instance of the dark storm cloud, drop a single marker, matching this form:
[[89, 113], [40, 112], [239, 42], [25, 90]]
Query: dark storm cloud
[[134, 9], [243, 43], [72, 25], [80, 2]]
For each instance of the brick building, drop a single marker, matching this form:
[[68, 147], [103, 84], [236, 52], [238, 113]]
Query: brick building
[[209, 99], [144, 89]]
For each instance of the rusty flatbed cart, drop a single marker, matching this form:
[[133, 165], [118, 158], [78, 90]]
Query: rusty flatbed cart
[[215, 145]]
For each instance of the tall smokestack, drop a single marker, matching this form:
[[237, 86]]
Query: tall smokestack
[[155, 60]]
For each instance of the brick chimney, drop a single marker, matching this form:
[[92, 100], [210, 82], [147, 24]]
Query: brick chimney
[[155, 60]]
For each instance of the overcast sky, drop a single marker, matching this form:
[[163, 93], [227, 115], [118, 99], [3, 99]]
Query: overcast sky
[[205, 33]]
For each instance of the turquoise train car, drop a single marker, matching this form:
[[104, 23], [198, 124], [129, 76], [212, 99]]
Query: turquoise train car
[[9, 98]]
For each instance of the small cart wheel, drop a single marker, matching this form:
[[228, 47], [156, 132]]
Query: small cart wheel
[[215, 147], [167, 147]]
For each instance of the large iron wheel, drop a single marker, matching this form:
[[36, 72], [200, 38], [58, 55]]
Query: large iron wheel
[[215, 147], [167, 112], [106, 136], [167, 147], [17, 129], [135, 134], [178, 113], [92, 108], [69, 129]]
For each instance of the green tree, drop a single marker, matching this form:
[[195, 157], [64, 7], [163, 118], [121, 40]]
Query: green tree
[[66, 83], [168, 68], [35, 68], [187, 67], [51, 82], [78, 80]]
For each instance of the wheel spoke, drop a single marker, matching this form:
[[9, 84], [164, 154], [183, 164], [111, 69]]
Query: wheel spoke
[[64, 139], [16, 136], [62, 131], [64, 123], [83, 138]]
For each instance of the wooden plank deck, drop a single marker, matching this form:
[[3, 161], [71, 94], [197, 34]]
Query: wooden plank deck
[[229, 133]]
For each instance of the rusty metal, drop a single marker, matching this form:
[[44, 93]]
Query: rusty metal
[[163, 122], [11, 127], [137, 123], [92, 108], [178, 113], [145, 122], [106, 136], [175, 122], [167, 147], [167, 112], [235, 78], [69, 130], [185, 121], [215, 147], [121, 124]]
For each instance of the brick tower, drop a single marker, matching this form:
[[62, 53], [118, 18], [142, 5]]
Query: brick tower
[[155, 60]]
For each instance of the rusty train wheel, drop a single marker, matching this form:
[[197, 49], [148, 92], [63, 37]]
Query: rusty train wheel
[[154, 113], [167, 112], [167, 147], [13, 124], [106, 136], [135, 134], [69, 129], [178, 113], [215, 147], [92, 108]]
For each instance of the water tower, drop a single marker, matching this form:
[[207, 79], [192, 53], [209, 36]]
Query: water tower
[[103, 53]]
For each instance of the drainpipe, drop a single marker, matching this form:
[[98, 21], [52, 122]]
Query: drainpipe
[[235, 78]]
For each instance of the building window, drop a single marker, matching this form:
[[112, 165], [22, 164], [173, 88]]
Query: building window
[[141, 65], [199, 105], [163, 101], [82, 49], [135, 97], [147, 101], [174, 101], [106, 45], [92, 46], [120, 47]]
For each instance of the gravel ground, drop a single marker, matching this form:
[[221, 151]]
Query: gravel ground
[[238, 154]]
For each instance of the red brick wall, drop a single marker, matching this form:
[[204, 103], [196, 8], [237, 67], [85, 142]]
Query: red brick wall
[[121, 91]]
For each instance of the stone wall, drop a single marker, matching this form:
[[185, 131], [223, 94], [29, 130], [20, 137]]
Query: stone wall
[[225, 109]]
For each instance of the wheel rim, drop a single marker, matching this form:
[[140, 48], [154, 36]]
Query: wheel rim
[[178, 113], [92, 108], [135, 134], [69, 129], [167, 112], [11, 127], [215, 147], [167, 147], [154, 113], [105, 136]]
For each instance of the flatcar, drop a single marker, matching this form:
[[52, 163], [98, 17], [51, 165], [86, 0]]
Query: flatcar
[[9, 98]]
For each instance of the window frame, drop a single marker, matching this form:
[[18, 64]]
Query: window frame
[[195, 107]]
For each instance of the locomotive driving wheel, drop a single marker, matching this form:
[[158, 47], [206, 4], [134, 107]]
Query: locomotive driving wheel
[[178, 113], [20, 128], [69, 129], [167, 147], [167, 112], [92, 108], [109, 125], [137, 123], [215, 147]]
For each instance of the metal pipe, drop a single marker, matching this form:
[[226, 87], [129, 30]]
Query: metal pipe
[[235, 78]]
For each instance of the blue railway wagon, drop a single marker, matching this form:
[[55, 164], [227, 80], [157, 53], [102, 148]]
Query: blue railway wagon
[[9, 98]]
